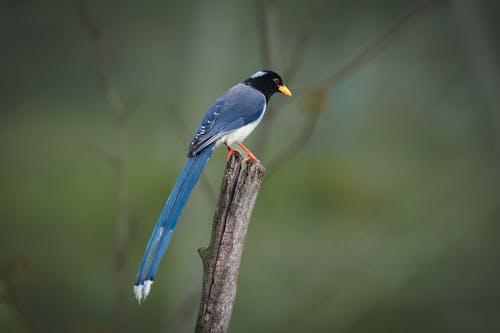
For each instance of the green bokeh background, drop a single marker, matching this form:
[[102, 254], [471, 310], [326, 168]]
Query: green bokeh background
[[385, 221]]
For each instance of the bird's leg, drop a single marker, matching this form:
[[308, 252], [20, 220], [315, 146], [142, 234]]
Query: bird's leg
[[249, 154], [230, 151]]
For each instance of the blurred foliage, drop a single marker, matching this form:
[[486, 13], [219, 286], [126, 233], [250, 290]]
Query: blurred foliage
[[386, 220]]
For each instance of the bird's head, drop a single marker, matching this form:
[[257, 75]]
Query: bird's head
[[267, 82]]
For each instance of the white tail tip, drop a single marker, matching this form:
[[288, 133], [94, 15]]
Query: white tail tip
[[141, 291]]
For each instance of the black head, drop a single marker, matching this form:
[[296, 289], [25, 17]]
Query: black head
[[267, 82]]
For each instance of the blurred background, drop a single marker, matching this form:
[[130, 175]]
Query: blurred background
[[380, 208]]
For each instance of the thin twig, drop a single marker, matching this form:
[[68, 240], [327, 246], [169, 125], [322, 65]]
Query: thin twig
[[381, 43], [102, 55], [262, 12], [264, 36], [312, 108], [294, 64], [303, 40], [117, 110], [354, 64], [293, 149]]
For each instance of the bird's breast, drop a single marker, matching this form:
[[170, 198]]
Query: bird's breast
[[238, 135]]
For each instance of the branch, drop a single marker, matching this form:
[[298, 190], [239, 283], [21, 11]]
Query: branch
[[261, 10], [382, 42], [318, 92], [304, 37], [221, 260], [313, 105], [296, 56], [120, 114], [104, 68]]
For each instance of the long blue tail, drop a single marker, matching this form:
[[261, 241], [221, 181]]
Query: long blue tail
[[167, 221]]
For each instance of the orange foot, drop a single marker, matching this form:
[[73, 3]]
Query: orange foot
[[250, 156], [230, 151]]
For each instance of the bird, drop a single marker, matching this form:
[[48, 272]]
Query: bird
[[229, 120]]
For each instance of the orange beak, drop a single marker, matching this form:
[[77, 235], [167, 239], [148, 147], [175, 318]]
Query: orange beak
[[284, 90]]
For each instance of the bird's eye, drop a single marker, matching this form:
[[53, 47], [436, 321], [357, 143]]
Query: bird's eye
[[276, 80]]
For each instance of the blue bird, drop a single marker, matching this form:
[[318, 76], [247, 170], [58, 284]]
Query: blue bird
[[232, 117]]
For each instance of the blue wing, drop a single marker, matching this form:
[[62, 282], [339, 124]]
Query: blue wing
[[238, 107]]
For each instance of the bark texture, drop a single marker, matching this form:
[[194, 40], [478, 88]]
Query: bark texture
[[221, 260]]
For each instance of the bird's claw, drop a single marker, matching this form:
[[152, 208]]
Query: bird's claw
[[230, 151]]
